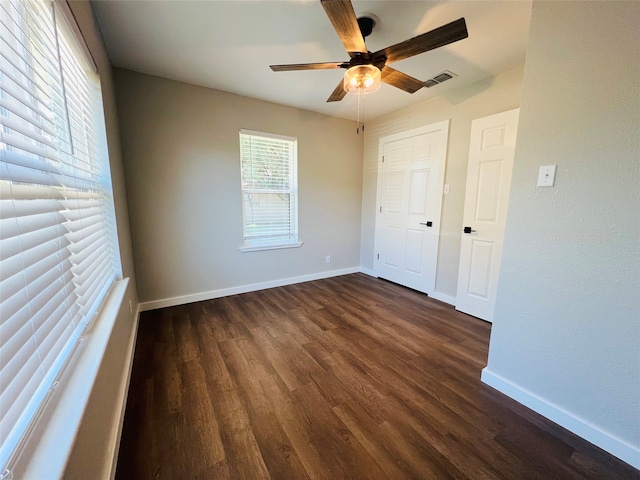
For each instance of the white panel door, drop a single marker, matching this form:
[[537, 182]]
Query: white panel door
[[491, 152], [410, 206]]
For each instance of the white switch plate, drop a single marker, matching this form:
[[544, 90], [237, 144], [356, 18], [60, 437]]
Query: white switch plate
[[547, 176], [446, 189], [327, 259]]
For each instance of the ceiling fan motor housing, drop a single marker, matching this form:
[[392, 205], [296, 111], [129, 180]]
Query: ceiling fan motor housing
[[366, 24]]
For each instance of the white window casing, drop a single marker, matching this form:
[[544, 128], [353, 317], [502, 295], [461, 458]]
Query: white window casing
[[269, 191]]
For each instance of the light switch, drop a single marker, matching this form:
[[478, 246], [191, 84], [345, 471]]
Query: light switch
[[547, 176]]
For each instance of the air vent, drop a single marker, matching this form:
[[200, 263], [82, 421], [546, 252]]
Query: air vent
[[441, 77]]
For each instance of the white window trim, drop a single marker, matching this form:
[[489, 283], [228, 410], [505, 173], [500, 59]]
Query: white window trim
[[256, 246]]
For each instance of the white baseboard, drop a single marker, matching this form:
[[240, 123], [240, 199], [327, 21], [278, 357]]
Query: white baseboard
[[123, 395], [443, 297], [615, 446], [368, 271], [225, 292]]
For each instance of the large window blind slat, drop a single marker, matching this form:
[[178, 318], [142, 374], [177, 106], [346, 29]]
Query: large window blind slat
[[86, 279], [58, 252], [17, 173], [87, 276], [16, 352], [54, 343], [44, 287], [32, 223], [86, 256], [28, 161], [79, 183], [24, 383], [32, 94], [29, 79], [11, 227], [59, 309], [28, 192], [43, 258], [16, 245], [23, 14], [34, 73], [14, 303], [28, 129], [21, 263], [11, 326], [24, 400], [27, 274], [21, 143], [78, 98], [83, 238], [39, 299], [25, 208], [32, 33], [10, 287], [78, 207], [26, 112], [80, 218]]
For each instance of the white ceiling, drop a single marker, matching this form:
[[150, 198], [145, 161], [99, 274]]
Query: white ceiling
[[229, 45]]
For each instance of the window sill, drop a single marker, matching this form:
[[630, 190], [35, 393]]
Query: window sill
[[46, 452], [269, 246]]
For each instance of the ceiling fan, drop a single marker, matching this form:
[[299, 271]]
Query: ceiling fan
[[352, 32]]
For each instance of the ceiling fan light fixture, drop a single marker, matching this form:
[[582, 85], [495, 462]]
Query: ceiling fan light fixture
[[362, 79]]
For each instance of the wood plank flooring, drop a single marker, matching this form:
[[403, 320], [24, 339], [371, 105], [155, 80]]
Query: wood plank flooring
[[348, 377]]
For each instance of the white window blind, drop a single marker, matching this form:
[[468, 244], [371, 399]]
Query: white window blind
[[269, 189], [58, 250]]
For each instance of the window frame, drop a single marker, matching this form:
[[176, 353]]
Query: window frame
[[277, 241], [80, 198]]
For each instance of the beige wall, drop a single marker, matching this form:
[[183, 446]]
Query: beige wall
[[181, 151], [99, 432], [461, 107], [566, 332]]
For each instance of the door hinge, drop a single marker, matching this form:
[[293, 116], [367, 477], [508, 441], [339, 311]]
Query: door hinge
[[380, 208], [383, 159], [378, 257]]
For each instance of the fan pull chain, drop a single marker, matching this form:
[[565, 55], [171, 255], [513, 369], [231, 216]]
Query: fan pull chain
[[360, 110], [360, 98]]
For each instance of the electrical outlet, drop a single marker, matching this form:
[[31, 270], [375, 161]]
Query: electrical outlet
[[327, 259]]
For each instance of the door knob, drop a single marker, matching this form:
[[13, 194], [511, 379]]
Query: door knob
[[468, 230], [428, 224]]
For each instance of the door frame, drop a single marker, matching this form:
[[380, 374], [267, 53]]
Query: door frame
[[442, 125]]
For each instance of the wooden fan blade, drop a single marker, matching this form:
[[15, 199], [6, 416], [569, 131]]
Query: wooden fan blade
[[338, 94], [345, 23], [449, 33], [401, 80], [308, 66]]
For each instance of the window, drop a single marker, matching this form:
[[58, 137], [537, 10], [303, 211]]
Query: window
[[269, 191], [58, 248]]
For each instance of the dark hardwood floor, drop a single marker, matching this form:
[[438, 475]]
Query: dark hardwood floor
[[349, 377]]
